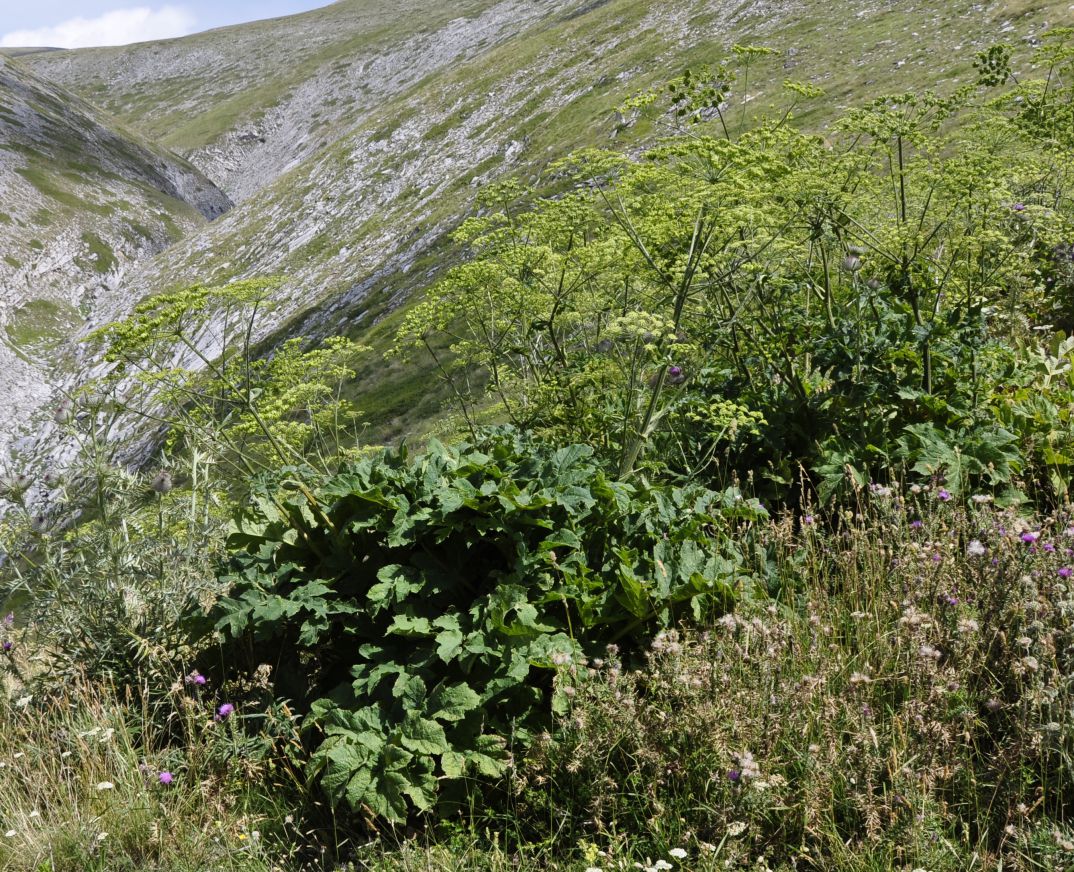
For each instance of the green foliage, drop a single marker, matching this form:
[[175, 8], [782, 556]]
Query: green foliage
[[192, 353], [417, 608], [859, 299], [109, 573]]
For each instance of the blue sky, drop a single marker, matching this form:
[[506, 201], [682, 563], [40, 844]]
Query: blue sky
[[77, 23]]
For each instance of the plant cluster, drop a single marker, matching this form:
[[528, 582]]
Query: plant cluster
[[860, 303], [416, 609]]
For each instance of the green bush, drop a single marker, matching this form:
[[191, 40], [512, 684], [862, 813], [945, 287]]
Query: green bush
[[417, 609], [758, 301]]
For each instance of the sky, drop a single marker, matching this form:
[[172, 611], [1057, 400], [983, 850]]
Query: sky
[[80, 23]]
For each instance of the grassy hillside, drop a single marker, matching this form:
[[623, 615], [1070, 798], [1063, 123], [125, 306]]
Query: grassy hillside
[[377, 128]]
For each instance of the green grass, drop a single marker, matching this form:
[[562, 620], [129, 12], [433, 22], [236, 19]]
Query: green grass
[[41, 325], [100, 257]]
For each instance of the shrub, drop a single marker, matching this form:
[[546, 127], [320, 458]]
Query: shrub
[[417, 608]]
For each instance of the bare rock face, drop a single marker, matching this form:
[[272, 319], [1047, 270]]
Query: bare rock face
[[82, 203]]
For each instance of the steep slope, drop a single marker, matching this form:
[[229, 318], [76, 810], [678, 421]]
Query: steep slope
[[246, 103], [82, 202], [380, 122]]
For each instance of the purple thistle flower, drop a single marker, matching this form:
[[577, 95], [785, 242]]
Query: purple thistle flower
[[9, 619], [196, 677], [7, 646], [808, 519], [1049, 547], [943, 496], [734, 775], [165, 778], [950, 600], [918, 524], [1019, 207], [1066, 572], [1029, 538], [224, 711]]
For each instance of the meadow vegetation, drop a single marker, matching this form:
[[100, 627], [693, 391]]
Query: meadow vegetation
[[753, 547]]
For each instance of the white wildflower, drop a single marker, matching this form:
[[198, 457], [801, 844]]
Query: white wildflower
[[976, 549], [928, 652], [104, 785], [678, 853]]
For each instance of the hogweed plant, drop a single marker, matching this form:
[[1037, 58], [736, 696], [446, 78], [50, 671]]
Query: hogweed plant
[[862, 299]]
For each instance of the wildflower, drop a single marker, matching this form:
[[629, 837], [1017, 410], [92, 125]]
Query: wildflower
[[165, 778], [807, 520], [1065, 572], [196, 677], [678, 853], [11, 834], [661, 866], [736, 828], [224, 711], [944, 495], [675, 375], [64, 412], [949, 599], [104, 785], [162, 482], [852, 263], [559, 658], [9, 620], [1049, 547], [734, 775], [7, 646], [1018, 207], [917, 524], [928, 652], [968, 625], [747, 766], [1031, 664], [859, 678], [975, 549], [1029, 537], [981, 499]]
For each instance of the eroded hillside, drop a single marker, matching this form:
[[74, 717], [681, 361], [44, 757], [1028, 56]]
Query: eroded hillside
[[82, 203]]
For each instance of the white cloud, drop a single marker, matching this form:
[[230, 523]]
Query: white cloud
[[118, 27]]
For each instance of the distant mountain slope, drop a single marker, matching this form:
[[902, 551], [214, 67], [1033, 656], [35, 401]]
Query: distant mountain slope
[[81, 203], [354, 137], [247, 103]]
